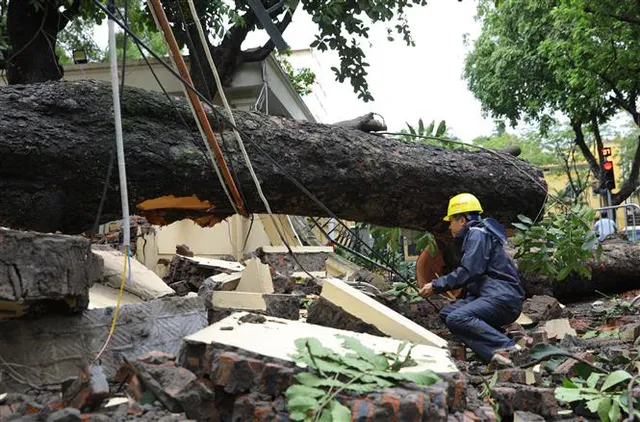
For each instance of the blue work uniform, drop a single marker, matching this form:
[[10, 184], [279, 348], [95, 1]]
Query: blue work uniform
[[494, 291]]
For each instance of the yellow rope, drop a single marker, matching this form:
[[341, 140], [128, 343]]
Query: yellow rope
[[118, 302]]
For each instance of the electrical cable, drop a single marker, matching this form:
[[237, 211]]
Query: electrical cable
[[126, 221], [198, 63], [197, 142], [112, 154], [206, 132], [126, 276], [204, 99], [227, 108]]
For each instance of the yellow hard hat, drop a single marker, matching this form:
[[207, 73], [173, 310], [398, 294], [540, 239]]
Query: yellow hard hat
[[463, 203]]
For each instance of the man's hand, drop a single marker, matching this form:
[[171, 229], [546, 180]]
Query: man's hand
[[427, 290]]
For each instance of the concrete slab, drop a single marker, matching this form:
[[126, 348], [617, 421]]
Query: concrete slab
[[297, 249], [216, 263], [143, 283], [309, 258], [223, 304], [52, 349], [372, 312], [256, 278], [238, 300], [101, 296], [44, 267], [275, 338], [304, 275]]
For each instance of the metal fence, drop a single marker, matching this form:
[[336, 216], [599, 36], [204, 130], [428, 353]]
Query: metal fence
[[632, 219]]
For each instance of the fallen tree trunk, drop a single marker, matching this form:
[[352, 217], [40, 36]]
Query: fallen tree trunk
[[55, 141], [617, 271]]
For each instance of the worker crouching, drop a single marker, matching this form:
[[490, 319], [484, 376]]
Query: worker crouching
[[494, 292]]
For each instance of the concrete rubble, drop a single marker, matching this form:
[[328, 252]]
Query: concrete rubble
[[39, 272], [226, 353]]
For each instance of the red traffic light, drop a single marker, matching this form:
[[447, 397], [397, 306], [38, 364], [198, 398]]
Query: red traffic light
[[607, 166]]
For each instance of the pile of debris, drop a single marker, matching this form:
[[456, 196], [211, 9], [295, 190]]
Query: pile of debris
[[219, 340]]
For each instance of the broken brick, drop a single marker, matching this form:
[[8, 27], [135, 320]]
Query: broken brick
[[458, 352], [630, 332], [88, 390], [521, 416], [539, 337], [520, 376], [486, 414], [178, 389], [566, 368], [157, 358], [580, 325], [68, 414], [532, 399]]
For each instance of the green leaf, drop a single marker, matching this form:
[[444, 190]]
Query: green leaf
[[312, 380], [339, 412], [568, 395], [429, 130], [297, 416], [379, 381], [378, 361], [567, 383], [594, 403], [604, 408], [314, 347], [302, 404], [304, 390], [590, 334], [583, 370], [525, 219], [614, 412], [564, 273], [357, 363], [520, 226], [420, 378], [442, 128], [593, 379], [615, 378]]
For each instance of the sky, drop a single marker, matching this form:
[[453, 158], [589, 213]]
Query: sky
[[408, 83]]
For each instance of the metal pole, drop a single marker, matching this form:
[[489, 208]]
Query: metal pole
[[610, 211], [122, 172]]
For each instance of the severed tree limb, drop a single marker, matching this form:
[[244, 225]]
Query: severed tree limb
[[55, 140], [366, 123]]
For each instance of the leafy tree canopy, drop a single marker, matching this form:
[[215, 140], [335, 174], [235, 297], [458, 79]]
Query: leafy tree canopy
[[535, 60], [341, 26]]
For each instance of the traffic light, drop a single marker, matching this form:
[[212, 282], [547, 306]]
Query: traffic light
[[609, 177]]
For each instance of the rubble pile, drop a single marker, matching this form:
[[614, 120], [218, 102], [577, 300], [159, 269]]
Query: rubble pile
[[228, 352]]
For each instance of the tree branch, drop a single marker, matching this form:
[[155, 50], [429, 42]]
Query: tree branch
[[261, 53], [598, 136], [236, 35], [631, 183], [588, 155], [621, 18], [68, 14], [620, 100]]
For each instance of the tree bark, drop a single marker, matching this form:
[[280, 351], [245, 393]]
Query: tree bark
[[55, 141], [32, 38], [618, 270]]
